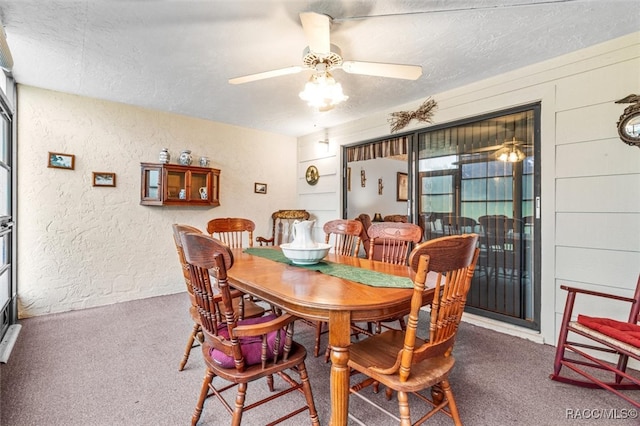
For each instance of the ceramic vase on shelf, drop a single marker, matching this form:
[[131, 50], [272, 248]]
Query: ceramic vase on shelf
[[185, 157], [165, 157], [204, 161]]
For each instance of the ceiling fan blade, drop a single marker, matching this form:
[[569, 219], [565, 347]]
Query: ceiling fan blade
[[316, 30], [407, 72], [267, 74], [486, 149]]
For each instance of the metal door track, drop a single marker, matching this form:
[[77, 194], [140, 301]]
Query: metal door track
[[9, 339]]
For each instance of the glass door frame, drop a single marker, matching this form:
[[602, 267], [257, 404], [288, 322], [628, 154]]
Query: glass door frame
[[8, 160], [414, 177]]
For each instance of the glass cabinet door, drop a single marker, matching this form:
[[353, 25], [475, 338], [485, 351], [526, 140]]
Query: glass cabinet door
[[176, 185], [151, 184], [215, 188], [199, 186]]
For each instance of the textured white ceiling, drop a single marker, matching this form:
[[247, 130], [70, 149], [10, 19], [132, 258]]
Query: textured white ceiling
[[177, 55]]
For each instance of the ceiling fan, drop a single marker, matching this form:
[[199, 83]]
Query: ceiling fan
[[322, 57], [511, 151]]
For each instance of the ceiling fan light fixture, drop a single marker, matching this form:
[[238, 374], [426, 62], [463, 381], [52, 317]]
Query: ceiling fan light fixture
[[510, 154], [322, 92]]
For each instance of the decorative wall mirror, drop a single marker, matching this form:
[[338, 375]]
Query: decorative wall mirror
[[312, 175], [629, 123]]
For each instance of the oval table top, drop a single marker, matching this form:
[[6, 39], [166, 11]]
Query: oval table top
[[312, 295]]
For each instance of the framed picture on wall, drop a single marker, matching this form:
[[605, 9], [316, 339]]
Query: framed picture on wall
[[61, 161], [260, 188], [104, 179], [402, 188]]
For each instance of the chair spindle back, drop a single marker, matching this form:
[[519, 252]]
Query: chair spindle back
[[230, 230], [453, 260], [397, 238], [346, 236]]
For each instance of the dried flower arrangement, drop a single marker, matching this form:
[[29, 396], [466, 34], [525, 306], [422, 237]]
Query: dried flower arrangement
[[400, 119]]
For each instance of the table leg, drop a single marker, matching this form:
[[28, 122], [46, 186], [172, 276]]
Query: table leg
[[339, 339]]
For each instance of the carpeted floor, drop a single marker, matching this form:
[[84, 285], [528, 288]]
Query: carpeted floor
[[118, 365]]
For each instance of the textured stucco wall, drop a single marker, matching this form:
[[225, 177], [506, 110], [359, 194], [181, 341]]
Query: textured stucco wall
[[81, 246]]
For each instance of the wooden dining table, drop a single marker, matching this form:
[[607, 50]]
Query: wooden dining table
[[318, 296]]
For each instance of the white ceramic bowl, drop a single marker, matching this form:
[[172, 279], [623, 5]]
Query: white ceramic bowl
[[305, 256]]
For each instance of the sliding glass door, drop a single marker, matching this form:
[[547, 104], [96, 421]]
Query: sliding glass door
[[482, 176]]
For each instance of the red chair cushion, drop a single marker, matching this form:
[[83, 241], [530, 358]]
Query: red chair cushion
[[251, 346], [619, 330]]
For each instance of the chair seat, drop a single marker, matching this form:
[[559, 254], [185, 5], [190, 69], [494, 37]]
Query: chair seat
[[619, 330], [605, 338], [251, 346], [253, 372], [381, 350]]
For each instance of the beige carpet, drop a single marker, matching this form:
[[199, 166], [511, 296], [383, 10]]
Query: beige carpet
[[117, 365]]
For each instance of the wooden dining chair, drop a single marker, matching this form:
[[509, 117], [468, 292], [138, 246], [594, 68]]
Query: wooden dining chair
[[281, 226], [590, 345], [460, 225], [402, 361], [396, 218], [195, 337], [365, 220], [397, 239], [393, 241], [344, 237], [245, 308], [231, 230], [241, 351]]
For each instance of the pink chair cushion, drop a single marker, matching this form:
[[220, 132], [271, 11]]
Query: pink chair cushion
[[619, 330], [251, 346]]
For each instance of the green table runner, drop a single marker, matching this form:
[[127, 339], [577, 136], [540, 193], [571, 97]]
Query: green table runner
[[351, 273]]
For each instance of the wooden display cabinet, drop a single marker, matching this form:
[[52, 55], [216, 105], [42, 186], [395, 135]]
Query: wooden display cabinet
[[177, 185]]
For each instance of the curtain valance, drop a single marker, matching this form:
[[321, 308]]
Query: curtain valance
[[381, 149]]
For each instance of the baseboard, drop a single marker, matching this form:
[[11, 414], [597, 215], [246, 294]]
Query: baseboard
[[501, 327]]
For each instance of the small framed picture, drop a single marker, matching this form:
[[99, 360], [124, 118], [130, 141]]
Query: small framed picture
[[260, 188], [402, 190], [104, 179], [61, 161]]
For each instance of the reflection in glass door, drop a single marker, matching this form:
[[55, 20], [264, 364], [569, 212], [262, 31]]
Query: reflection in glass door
[[480, 176]]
